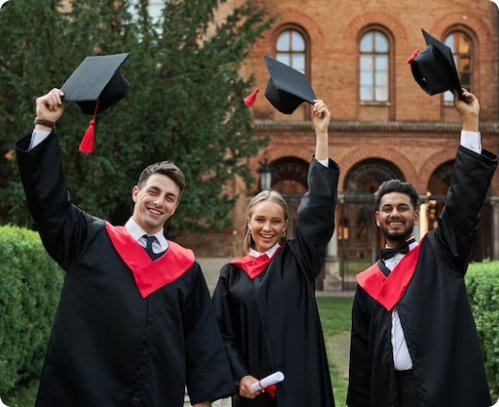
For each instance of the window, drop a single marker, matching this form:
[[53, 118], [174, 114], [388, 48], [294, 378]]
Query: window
[[462, 48], [291, 50], [374, 67]]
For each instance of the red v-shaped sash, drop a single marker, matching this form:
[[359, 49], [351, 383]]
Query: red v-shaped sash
[[150, 275], [254, 266], [389, 290]]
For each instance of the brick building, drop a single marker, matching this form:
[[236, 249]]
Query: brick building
[[383, 125]]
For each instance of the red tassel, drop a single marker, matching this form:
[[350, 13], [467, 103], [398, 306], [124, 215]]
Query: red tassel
[[87, 144], [250, 100], [412, 57]]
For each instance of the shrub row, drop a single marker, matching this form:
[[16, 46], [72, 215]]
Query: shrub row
[[482, 281], [30, 284]]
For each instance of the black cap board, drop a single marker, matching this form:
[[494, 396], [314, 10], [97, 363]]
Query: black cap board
[[434, 68], [287, 88], [97, 79]]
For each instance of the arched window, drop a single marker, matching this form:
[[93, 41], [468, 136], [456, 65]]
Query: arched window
[[374, 67], [462, 47], [291, 50]]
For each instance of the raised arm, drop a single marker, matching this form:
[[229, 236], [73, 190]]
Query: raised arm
[[62, 226], [473, 171], [315, 223], [320, 119]]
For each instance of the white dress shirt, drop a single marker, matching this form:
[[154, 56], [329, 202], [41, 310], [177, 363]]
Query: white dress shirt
[[401, 358], [159, 245]]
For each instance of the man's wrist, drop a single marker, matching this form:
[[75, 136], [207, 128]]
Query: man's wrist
[[43, 128], [43, 124]]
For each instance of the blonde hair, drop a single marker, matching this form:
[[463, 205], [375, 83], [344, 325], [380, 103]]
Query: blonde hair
[[266, 195]]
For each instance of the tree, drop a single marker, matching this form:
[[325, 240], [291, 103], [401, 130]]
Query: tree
[[185, 102]]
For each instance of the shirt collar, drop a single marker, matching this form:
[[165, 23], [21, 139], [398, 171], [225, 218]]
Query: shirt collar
[[253, 253], [137, 232]]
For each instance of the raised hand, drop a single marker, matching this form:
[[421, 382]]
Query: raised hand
[[320, 116], [50, 106], [469, 109]]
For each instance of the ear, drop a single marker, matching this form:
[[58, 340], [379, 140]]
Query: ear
[[135, 192], [376, 215], [416, 217]]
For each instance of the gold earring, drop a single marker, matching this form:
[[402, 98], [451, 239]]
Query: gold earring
[[284, 234]]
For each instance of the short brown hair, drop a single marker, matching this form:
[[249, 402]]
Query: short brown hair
[[266, 195], [167, 169]]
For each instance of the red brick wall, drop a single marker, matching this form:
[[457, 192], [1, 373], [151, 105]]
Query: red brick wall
[[414, 131]]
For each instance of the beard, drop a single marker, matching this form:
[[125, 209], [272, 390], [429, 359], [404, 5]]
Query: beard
[[398, 236]]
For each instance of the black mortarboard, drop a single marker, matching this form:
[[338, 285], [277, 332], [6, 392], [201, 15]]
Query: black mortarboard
[[434, 68], [97, 79], [95, 86], [287, 88]]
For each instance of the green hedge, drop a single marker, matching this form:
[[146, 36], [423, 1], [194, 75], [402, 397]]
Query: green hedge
[[482, 281], [30, 284]]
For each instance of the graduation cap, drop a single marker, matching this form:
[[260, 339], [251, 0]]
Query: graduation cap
[[287, 88], [95, 86], [434, 68]]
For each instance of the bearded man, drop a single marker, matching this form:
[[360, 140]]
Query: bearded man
[[414, 341]]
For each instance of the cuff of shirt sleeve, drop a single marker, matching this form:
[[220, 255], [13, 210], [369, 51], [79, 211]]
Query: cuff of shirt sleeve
[[325, 163], [471, 140], [37, 137]]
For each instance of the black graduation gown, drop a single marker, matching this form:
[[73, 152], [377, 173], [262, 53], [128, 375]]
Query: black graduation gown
[[272, 323], [109, 346], [434, 311]]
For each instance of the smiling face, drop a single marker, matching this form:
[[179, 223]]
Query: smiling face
[[155, 202], [396, 217], [266, 224]]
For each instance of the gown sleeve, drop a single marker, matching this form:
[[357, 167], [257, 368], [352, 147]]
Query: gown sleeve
[[221, 302], [62, 226], [208, 375], [459, 220], [315, 218], [360, 360]]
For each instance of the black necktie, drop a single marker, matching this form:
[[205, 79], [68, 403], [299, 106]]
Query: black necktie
[[388, 252], [149, 241]]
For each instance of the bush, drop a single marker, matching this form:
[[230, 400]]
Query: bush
[[30, 284], [482, 281]]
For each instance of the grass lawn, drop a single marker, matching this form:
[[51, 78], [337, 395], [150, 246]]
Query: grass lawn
[[335, 315]]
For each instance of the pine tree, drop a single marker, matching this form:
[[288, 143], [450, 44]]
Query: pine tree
[[185, 102]]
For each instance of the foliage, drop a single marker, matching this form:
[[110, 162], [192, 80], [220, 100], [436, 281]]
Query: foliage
[[482, 281], [29, 293], [185, 102]]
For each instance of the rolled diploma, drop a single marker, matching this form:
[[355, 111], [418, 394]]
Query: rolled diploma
[[268, 381]]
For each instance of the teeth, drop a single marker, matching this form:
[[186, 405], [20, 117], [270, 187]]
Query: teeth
[[267, 237], [155, 212]]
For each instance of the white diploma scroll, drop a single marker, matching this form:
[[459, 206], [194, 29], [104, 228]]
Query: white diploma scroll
[[268, 381]]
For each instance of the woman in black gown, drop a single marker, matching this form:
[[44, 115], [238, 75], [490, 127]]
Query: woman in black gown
[[265, 301]]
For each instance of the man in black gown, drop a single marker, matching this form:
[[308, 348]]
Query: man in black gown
[[414, 341], [134, 326]]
